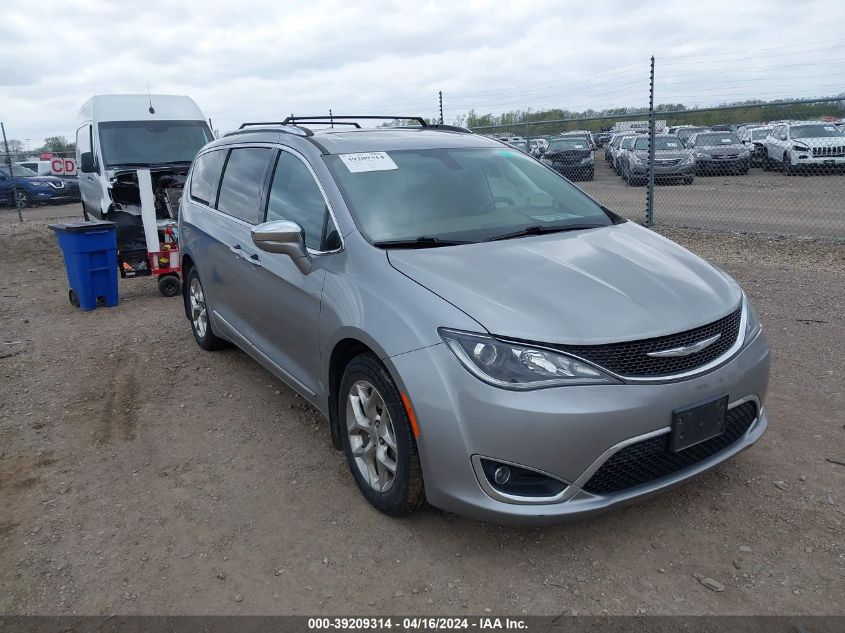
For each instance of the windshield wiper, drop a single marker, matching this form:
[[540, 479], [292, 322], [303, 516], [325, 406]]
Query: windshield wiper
[[420, 242], [543, 230]]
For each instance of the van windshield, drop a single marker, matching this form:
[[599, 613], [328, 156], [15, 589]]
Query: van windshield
[[465, 194], [152, 142]]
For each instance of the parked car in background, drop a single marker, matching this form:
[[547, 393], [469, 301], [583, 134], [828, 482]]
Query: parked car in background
[[28, 188], [454, 311], [571, 156], [671, 161], [685, 133], [800, 146], [586, 135], [538, 146], [754, 139], [521, 144], [602, 138], [619, 153], [719, 153]]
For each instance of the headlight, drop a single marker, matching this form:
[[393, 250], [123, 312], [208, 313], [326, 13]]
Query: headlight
[[515, 366], [800, 148], [752, 321], [588, 159], [744, 154], [702, 155], [636, 159], [37, 183], [688, 158]]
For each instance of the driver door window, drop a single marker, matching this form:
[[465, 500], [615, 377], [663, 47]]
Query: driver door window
[[295, 196]]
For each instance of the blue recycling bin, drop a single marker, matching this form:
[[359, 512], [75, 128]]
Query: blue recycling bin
[[90, 253]]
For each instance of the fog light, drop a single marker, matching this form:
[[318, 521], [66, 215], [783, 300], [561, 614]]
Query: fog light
[[502, 475]]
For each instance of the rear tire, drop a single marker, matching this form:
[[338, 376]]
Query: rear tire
[[198, 314], [377, 436]]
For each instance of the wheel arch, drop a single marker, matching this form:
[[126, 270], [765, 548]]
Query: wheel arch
[[187, 265], [342, 353]]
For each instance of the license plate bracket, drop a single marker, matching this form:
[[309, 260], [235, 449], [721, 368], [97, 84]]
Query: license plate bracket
[[697, 424]]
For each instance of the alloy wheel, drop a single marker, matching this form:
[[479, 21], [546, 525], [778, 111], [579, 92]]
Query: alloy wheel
[[199, 312], [372, 437]]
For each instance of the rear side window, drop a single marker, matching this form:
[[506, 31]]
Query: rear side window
[[241, 185], [205, 177], [295, 196]]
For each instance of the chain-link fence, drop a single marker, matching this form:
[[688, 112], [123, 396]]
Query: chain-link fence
[[30, 178], [775, 167]]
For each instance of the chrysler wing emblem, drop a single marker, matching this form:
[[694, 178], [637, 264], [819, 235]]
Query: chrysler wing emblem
[[686, 350]]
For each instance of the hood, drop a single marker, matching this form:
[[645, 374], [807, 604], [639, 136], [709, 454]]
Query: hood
[[820, 141], [596, 286], [663, 154], [718, 150], [54, 180]]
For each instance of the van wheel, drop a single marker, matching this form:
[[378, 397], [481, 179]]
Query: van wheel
[[198, 314], [378, 439]]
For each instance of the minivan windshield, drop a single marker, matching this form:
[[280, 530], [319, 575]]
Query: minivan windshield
[[439, 196], [152, 142]]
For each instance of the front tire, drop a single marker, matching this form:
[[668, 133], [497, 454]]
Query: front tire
[[198, 314], [788, 168], [378, 438]]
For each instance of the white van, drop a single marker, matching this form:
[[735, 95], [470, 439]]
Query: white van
[[119, 134]]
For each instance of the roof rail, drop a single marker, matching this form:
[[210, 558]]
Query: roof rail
[[449, 128], [328, 120], [292, 128]]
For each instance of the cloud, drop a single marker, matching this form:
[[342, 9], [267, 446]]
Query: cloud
[[250, 60]]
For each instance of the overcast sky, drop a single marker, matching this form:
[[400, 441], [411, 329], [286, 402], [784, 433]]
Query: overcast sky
[[243, 60]]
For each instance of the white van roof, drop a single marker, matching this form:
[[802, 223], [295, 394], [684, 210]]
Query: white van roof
[[136, 107]]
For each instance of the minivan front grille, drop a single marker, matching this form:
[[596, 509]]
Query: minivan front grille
[[651, 459], [631, 359]]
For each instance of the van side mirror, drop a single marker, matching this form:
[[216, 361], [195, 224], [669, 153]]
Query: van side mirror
[[87, 164], [285, 238]]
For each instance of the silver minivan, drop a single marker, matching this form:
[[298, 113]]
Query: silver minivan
[[479, 333]]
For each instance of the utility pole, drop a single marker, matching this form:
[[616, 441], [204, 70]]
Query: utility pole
[[11, 173], [440, 97], [649, 211]]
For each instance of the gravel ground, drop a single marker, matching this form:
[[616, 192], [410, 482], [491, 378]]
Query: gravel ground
[[139, 474]]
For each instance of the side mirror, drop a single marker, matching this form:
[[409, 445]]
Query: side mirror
[[285, 238], [87, 164], [783, 137]]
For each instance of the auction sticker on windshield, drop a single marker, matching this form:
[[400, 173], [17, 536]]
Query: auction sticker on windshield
[[368, 161]]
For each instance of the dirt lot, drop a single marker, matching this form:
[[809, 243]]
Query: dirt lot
[[139, 474], [759, 202]]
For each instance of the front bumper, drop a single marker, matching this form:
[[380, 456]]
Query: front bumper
[[802, 159], [566, 432], [576, 168], [723, 165], [665, 172]]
